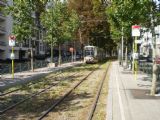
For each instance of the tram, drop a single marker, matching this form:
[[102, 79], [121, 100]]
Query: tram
[[93, 54]]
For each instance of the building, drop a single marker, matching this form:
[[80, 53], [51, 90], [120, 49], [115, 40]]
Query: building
[[147, 44], [21, 50], [5, 30]]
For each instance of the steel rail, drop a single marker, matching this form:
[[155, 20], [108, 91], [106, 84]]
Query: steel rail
[[65, 96], [33, 95], [22, 87], [27, 85], [94, 105]]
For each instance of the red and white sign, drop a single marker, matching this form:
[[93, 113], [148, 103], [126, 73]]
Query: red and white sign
[[136, 30], [71, 49], [12, 40]]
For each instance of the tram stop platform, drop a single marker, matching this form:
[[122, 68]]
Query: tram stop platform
[[129, 96], [24, 77]]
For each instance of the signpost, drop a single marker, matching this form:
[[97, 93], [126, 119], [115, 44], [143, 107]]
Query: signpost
[[135, 34], [12, 39], [71, 49]]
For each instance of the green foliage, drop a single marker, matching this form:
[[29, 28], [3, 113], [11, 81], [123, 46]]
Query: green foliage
[[22, 20], [127, 13], [60, 22], [94, 27]]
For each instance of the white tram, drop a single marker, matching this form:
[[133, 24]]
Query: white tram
[[93, 54]]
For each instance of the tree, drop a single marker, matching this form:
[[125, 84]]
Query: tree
[[127, 13], [24, 23], [94, 28], [61, 23], [21, 12]]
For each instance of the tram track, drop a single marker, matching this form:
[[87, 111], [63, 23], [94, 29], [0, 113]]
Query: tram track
[[35, 94], [94, 105], [30, 84], [54, 105], [63, 97], [22, 87], [31, 96]]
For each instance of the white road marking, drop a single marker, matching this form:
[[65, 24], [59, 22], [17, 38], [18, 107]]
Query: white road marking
[[120, 99]]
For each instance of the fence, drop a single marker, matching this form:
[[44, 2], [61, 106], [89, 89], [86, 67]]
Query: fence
[[26, 66], [147, 68], [19, 67]]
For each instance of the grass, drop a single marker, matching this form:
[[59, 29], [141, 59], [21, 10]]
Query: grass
[[34, 106], [100, 113]]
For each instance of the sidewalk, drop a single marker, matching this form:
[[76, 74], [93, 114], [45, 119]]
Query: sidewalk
[[6, 80], [128, 98]]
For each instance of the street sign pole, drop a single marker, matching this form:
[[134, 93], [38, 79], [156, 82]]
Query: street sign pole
[[136, 61], [12, 64], [133, 49], [12, 44], [135, 34]]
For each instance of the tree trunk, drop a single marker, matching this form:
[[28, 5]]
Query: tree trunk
[[51, 52], [59, 58], [122, 47], [119, 54], [154, 79], [32, 64], [154, 70], [72, 55], [126, 59], [37, 15]]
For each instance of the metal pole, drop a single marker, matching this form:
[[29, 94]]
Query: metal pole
[[133, 51], [135, 61], [12, 63]]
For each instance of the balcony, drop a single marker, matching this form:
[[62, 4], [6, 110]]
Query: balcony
[[2, 3], [2, 30]]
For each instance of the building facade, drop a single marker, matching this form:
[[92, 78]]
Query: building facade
[[5, 30], [21, 50], [146, 45]]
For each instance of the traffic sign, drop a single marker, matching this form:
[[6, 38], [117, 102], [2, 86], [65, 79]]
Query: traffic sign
[[71, 49], [12, 40], [136, 30]]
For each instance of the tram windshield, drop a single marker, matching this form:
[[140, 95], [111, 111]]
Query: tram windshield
[[89, 53]]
